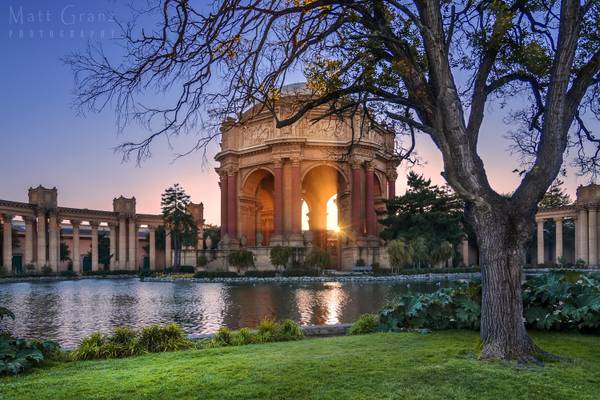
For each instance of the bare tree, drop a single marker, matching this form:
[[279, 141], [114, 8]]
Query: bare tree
[[424, 66]]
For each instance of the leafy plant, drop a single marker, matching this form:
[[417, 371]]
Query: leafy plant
[[126, 342], [280, 256], [553, 301], [366, 323], [157, 338], [202, 260], [241, 259], [317, 259]]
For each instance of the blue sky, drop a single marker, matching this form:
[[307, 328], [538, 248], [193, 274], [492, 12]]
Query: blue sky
[[44, 141]]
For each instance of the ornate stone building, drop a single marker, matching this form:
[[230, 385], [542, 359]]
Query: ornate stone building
[[583, 215], [47, 224], [267, 173]]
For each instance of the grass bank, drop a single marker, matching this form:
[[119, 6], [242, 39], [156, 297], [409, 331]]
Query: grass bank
[[439, 365]]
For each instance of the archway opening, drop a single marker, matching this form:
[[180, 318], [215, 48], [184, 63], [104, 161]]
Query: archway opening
[[322, 213], [257, 208]]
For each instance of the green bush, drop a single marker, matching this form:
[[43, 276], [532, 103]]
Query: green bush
[[223, 337], [18, 355], [553, 301], [267, 331], [187, 269], [216, 274], [292, 272], [126, 342], [280, 256], [261, 274], [366, 323], [157, 338], [317, 259], [68, 273], [241, 259], [3, 271], [46, 270], [202, 260]]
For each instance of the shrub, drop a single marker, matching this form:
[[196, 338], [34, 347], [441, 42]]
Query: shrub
[[216, 274], [223, 337], [366, 323], [280, 256], [242, 337], [289, 330], [300, 272], [202, 260], [18, 355], [157, 338], [261, 274], [91, 347], [318, 259], [46, 270], [553, 301], [241, 259], [187, 269], [68, 273], [360, 263], [3, 271], [126, 342]]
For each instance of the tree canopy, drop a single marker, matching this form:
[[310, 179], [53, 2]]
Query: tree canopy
[[429, 211]]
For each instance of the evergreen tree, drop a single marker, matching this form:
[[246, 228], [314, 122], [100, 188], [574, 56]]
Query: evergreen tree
[[556, 196], [174, 202], [428, 215]]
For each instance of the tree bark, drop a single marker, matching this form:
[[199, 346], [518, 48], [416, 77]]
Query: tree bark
[[502, 237]]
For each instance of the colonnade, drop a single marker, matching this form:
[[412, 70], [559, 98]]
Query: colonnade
[[585, 218], [43, 219], [288, 197], [45, 231]]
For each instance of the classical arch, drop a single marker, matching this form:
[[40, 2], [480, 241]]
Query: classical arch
[[319, 184], [257, 207]]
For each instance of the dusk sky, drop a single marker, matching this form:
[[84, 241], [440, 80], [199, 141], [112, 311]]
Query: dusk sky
[[44, 141]]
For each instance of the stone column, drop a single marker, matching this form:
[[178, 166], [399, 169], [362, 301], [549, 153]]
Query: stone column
[[593, 235], [75, 256], [131, 264], [152, 246], [278, 199], [371, 217], [122, 251], [356, 198], [232, 221], [94, 226], [223, 185], [52, 241], [577, 227], [465, 251], [113, 245], [392, 176], [168, 251], [559, 239], [28, 240], [583, 235], [540, 242], [296, 205], [41, 240], [7, 242]]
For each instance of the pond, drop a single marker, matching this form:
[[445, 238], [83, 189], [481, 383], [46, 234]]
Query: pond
[[68, 310]]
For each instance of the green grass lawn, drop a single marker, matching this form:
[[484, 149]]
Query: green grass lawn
[[439, 365]]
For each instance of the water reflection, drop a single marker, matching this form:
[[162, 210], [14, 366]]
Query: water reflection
[[67, 311]]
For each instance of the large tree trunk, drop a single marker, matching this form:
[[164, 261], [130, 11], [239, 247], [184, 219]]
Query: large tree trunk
[[502, 237]]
